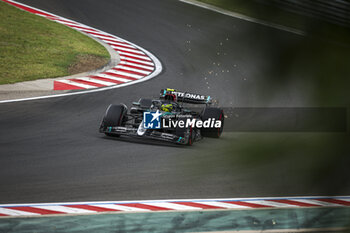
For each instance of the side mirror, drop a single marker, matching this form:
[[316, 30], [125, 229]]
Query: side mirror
[[136, 104]]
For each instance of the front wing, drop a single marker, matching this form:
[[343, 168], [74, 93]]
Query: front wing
[[150, 134]]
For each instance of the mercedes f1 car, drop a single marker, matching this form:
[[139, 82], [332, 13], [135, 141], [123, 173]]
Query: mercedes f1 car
[[178, 117]]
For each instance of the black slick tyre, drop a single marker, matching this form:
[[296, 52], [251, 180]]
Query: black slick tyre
[[216, 114], [115, 116]]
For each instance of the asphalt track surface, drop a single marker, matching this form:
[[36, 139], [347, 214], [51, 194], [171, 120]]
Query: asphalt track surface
[[51, 151]]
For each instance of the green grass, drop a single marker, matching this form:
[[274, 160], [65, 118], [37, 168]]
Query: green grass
[[32, 47]]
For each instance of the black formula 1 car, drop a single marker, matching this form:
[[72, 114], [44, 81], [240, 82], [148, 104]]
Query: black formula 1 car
[[177, 117]]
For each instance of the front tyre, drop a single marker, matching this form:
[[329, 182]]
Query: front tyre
[[115, 116]]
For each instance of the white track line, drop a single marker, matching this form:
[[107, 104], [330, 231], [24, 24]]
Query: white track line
[[244, 17]]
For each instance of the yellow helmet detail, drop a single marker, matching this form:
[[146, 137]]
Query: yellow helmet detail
[[166, 107]]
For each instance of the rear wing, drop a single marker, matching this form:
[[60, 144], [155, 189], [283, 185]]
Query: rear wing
[[185, 97]]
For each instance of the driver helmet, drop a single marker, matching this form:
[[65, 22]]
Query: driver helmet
[[166, 107]]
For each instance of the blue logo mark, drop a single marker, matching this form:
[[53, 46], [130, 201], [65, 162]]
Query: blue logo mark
[[151, 120]]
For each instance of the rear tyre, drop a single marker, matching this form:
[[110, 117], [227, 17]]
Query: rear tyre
[[217, 114], [115, 116]]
